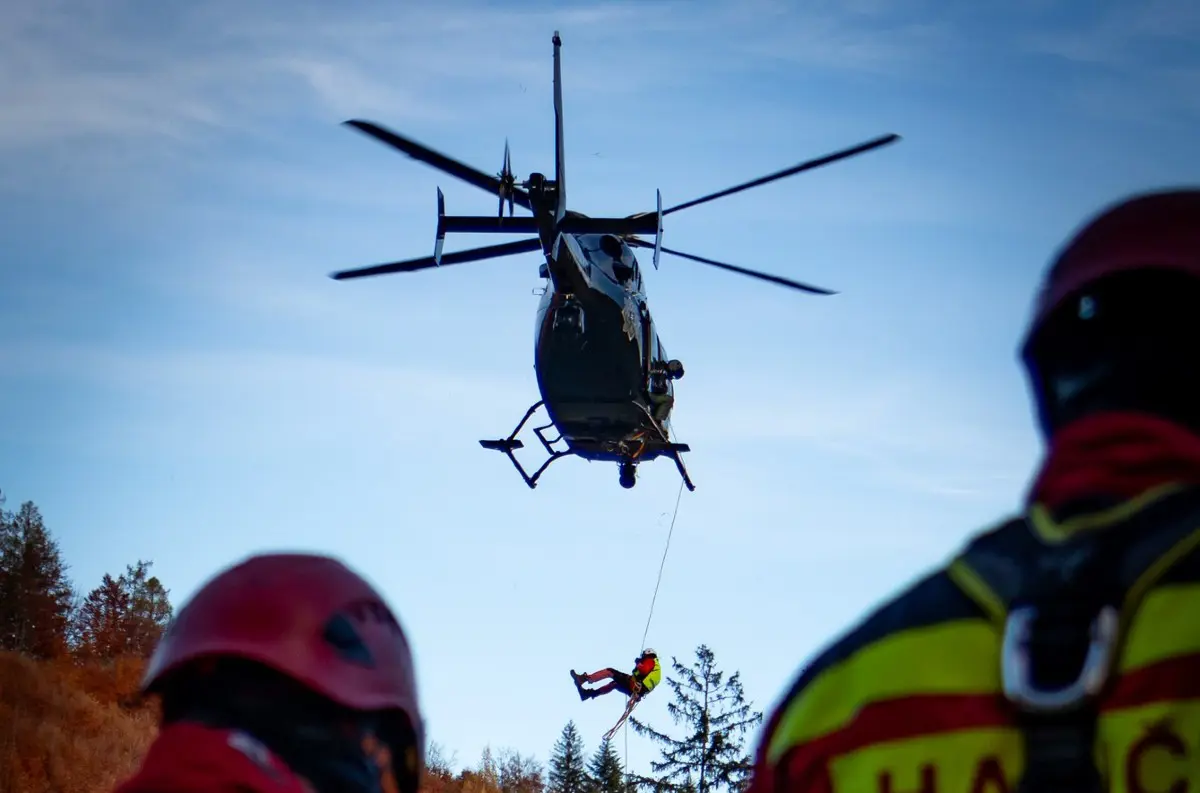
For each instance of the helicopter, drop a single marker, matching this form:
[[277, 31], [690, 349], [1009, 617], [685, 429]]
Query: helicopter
[[603, 374]]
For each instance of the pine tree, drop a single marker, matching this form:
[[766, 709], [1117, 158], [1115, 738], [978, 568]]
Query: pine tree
[[605, 771], [149, 609], [102, 618], [717, 718], [35, 595], [567, 771], [124, 615]]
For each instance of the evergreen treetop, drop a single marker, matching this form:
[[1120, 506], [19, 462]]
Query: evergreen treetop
[[716, 721], [567, 771], [606, 774]]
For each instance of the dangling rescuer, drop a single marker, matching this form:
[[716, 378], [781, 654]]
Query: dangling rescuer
[[287, 673], [647, 672], [1067, 636]]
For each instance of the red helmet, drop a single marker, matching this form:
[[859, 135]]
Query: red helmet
[[1158, 230], [306, 616], [1152, 233]]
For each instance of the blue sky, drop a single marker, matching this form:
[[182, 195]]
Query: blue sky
[[181, 382]]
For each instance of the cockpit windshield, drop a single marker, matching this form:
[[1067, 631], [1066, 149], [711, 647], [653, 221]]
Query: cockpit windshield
[[613, 256]]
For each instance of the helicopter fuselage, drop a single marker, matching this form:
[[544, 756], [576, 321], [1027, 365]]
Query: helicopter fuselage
[[603, 374], [596, 350]]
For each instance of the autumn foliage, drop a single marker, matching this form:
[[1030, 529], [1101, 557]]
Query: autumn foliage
[[70, 715], [61, 730]]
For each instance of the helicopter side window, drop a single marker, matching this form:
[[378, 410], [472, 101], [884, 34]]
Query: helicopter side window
[[635, 273]]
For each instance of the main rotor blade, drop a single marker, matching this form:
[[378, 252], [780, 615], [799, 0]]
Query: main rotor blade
[[795, 169], [440, 161], [560, 152], [457, 257], [775, 279]]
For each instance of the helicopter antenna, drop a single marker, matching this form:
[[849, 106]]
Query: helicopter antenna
[[560, 153]]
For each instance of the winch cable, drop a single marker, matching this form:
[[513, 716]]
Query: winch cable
[[661, 565]]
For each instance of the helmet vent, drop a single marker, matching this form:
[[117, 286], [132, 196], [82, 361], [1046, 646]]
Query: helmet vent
[[345, 639]]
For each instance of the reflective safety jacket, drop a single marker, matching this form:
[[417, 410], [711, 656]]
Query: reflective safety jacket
[[648, 672], [923, 696]]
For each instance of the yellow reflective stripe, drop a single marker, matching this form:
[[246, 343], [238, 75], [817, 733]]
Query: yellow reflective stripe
[[1142, 745], [1156, 613], [1164, 627], [1049, 531], [964, 761], [956, 657], [1152, 746], [977, 589], [1143, 643], [1149, 578]]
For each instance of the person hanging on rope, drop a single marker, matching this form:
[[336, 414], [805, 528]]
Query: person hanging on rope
[[286, 673], [1060, 649], [647, 672]]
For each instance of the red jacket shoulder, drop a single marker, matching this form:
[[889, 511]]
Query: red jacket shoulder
[[192, 758]]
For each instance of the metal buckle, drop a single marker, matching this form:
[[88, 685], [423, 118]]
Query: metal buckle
[[1015, 663]]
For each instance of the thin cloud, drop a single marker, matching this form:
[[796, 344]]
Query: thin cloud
[[876, 37], [108, 72], [904, 428], [1121, 34], [1139, 60], [178, 73], [185, 403]]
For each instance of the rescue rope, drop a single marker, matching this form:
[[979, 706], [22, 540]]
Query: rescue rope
[[662, 564]]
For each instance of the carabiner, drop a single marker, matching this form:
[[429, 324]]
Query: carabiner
[[1015, 663]]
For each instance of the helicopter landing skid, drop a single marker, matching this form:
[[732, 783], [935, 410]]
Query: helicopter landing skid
[[510, 444], [683, 473], [672, 450]]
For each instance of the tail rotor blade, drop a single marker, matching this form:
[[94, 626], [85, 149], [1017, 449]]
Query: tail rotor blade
[[500, 192], [508, 183]]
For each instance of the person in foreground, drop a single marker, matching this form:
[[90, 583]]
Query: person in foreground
[[1060, 649], [647, 672], [287, 673]]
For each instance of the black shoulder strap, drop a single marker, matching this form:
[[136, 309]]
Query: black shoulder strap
[[1000, 569], [1064, 607]]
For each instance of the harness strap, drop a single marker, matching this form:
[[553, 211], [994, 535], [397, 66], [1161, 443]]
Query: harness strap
[[1064, 609]]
